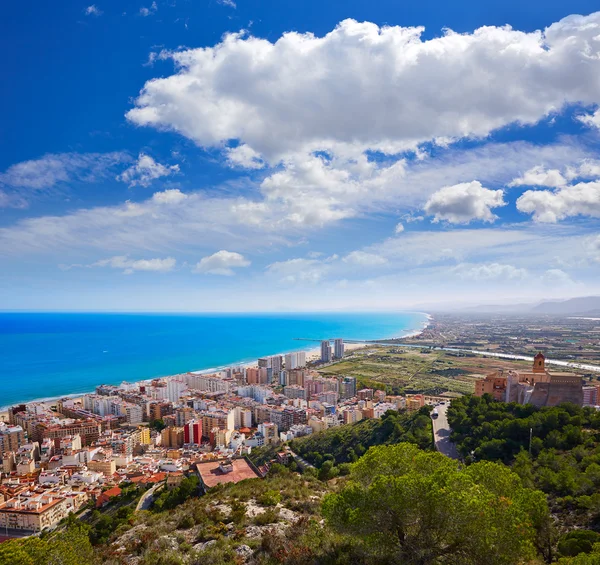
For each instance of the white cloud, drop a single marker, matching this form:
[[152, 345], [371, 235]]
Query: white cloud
[[489, 271], [399, 89], [148, 11], [49, 170], [93, 10], [464, 202], [170, 196], [399, 228], [229, 3], [221, 263], [582, 199], [294, 271], [365, 259], [245, 157], [129, 266], [146, 170], [587, 169], [538, 176], [557, 276], [591, 120]]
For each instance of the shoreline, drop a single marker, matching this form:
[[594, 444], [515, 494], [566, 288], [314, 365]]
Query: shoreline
[[310, 356]]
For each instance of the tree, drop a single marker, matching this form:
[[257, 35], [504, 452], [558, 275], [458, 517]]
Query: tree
[[69, 548], [421, 508]]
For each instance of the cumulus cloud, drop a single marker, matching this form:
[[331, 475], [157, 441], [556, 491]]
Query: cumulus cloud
[[399, 228], [582, 199], [221, 263], [558, 277], [488, 271], [92, 10], [538, 176], [146, 170], [451, 86], [245, 157], [365, 259], [148, 11], [311, 193], [464, 202], [129, 266], [170, 196], [591, 120], [587, 169]]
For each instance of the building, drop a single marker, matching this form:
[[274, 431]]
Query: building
[[11, 437], [415, 402], [192, 432], [338, 348], [295, 391], [270, 432], [224, 420], [229, 471], [175, 389], [538, 386], [295, 360], [351, 416], [590, 396], [347, 387], [494, 385], [33, 512], [172, 437], [208, 383], [252, 376], [325, 351]]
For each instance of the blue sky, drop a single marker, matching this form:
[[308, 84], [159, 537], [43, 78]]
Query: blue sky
[[221, 155]]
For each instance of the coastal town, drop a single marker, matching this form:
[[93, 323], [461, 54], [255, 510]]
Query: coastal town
[[73, 453]]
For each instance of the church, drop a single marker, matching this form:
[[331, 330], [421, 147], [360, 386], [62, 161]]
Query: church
[[538, 386]]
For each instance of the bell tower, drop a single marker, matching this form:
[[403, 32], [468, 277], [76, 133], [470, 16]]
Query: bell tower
[[539, 363]]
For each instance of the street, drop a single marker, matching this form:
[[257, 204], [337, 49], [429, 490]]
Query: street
[[147, 498], [441, 433]]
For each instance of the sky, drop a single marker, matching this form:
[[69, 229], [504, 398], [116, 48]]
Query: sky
[[244, 155]]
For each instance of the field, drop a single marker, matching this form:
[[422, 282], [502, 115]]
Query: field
[[405, 371]]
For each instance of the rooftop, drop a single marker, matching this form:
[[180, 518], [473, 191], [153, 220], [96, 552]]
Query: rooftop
[[212, 475]]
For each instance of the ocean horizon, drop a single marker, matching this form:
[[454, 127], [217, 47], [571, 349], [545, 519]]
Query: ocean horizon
[[47, 355]]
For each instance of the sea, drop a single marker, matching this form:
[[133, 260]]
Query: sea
[[49, 355]]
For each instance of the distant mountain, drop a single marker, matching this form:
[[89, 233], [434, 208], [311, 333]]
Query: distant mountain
[[582, 305]]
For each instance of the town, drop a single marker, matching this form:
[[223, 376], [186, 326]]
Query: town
[[62, 456]]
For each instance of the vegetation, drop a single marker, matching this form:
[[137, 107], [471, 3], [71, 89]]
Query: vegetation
[[169, 499], [72, 547], [405, 371], [345, 444], [562, 458], [421, 508]]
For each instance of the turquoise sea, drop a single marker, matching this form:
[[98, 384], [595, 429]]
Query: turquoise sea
[[45, 355]]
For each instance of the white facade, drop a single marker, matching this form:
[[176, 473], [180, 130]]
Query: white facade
[[175, 389]]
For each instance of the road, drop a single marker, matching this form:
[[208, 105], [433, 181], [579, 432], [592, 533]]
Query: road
[[147, 498], [441, 434]]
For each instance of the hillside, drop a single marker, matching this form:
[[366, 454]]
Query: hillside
[[581, 305], [345, 444]]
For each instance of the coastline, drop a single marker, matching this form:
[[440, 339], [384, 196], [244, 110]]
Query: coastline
[[312, 354]]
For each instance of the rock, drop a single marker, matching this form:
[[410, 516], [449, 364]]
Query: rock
[[244, 551], [166, 542], [204, 545]]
